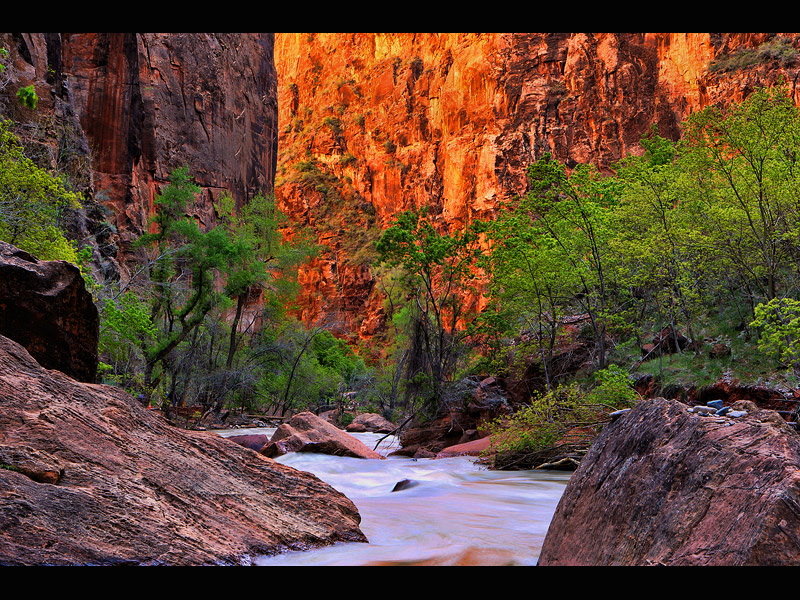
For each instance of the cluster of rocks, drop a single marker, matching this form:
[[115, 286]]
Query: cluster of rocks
[[717, 407]]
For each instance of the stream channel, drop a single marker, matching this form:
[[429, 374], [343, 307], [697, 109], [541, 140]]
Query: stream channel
[[457, 513]]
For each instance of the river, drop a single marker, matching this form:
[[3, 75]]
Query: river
[[457, 513]]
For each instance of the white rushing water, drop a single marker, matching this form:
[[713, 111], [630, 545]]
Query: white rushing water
[[457, 512]]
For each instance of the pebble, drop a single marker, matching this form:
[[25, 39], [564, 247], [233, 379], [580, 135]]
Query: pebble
[[715, 408], [618, 413]]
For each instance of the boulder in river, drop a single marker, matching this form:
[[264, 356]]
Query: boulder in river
[[254, 441], [371, 422], [306, 432], [665, 486], [90, 477]]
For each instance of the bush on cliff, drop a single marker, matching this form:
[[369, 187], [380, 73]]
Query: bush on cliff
[[33, 203]]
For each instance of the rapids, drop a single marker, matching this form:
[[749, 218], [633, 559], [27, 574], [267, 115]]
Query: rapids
[[456, 513]]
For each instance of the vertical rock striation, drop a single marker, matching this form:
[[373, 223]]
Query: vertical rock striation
[[138, 105]]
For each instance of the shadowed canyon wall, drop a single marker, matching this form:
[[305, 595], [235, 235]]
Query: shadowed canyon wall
[[353, 127], [135, 106]]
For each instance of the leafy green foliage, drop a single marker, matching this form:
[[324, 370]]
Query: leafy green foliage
[[543, 422], [27, 96], [33, 203], [436, 272], [613, 389], [779, 322], [125, 329], [698, 235]]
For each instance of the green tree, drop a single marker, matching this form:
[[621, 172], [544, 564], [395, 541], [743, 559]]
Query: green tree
[[572, 215], [779, 324], [743, 160], [125, 327], [438, 273], [263, 263], [530, 285], [185, 266], [660, 252]]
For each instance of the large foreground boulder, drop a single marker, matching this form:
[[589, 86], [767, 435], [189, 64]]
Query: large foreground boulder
[[44, 305], [306, 432], [89, 476], [666, 486]]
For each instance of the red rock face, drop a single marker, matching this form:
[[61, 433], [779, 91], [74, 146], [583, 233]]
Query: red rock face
[[452, 120], [140, 105], [151, 102], [368, 124]]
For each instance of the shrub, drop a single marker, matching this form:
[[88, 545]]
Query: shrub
[[27, 97], [543, 422]]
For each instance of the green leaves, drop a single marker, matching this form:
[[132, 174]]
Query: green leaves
[[437, 272], [744, 169], [33, 203], [779, 322]]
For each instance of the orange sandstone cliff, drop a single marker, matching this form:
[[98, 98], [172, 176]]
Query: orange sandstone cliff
[[350, 128], [374, 123]]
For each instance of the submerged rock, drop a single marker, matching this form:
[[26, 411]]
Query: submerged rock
[[89, 476], [665, 486], [404, 484]]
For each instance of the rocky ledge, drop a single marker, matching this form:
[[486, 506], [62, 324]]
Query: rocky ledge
[[89, 477], [663, 485]]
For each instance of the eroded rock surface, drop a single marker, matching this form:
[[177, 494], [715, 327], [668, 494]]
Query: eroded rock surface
[[665, 486], [88, 476]]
